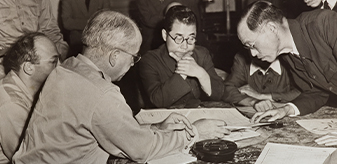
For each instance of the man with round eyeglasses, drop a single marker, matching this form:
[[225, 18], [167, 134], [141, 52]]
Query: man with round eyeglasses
[[179, 73]]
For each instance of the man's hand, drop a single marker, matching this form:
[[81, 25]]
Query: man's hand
[[275, 114], [187, 66], [328, 140], [176, 121], [313, 3], [263, 105], [211, 128]]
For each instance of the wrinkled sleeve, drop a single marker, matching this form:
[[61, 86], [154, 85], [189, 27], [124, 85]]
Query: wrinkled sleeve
[[13, 118], [161, 93], [236, 79], [48, 25], [115, 129]]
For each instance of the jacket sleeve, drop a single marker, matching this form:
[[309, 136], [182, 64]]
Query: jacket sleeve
[[311, 97], [115, 128], [13, 118], [236, 79]]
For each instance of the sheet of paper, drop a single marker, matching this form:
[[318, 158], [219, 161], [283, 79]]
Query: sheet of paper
[[292, 154], [240, 135], [178, 158], [230, 115], [319, 126]]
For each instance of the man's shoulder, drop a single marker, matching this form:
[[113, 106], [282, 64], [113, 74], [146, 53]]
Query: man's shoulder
[[316, 15], [11, 93], [78, 73]]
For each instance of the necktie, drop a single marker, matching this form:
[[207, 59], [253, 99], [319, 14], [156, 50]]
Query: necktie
[[326, 5], [87, 2]]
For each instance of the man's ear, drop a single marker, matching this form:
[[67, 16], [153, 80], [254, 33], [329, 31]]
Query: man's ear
[[28, 68], [164, 34], [113, 57], [273, 27]]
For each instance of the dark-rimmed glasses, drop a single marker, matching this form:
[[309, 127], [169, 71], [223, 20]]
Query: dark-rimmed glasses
[[180, 39], [136, 57]]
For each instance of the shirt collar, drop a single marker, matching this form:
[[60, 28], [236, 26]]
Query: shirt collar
[[276, 66], [331, 3], [92, 65]]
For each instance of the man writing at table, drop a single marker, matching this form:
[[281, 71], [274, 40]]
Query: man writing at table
[[81, 117], [308, 45]]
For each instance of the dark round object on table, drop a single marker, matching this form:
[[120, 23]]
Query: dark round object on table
[[215, 150], [276, 125]]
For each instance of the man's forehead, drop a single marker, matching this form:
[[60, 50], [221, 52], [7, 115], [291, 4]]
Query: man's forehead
[[179, 27], [243, 30]]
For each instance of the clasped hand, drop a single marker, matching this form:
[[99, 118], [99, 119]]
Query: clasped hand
[[186, 65]]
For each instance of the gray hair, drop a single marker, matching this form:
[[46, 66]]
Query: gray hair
[[108, 29]]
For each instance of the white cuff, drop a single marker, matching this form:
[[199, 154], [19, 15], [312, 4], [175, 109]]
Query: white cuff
[[297, 112]]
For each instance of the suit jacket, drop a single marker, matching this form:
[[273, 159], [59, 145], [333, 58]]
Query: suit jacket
[[166, 88], [75, 13], [315, 70]]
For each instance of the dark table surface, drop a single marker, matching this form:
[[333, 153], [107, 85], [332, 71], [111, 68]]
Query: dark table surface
[[291, 133]]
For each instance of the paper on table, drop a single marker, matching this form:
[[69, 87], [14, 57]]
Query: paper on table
[[230, 115], [179, 158], [319, 126], [291, 154]]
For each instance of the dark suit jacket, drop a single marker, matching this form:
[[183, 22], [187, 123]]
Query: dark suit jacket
[[315, 71], [166, 88]]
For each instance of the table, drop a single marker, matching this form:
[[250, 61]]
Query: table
[[290, 133]]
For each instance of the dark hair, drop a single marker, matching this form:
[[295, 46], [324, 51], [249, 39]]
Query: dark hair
[[23, 50], [261, 11], [181, 13]]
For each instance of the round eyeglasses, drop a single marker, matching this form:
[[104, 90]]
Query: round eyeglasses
[[180, 39]]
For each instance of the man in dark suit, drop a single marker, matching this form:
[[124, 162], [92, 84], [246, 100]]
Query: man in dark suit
[[309, 47]]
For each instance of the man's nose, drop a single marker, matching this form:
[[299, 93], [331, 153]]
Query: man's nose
[[184, 45], [254, 52]]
